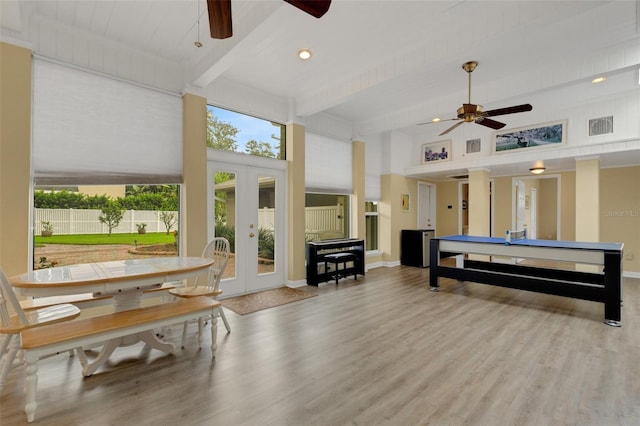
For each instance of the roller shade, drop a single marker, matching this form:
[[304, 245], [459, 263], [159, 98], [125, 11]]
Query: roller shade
[[327, 165], [92, 129], [373, 170]]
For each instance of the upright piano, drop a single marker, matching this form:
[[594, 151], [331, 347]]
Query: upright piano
[[315, 252]]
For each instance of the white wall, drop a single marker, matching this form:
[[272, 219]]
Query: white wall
[[625, 108]]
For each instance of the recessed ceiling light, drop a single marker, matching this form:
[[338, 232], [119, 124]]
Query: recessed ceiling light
[[435, 120], [598, 79], [304, 54]]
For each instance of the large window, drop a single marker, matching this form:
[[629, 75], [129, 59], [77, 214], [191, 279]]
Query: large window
[[233, 131], [326, 216], [83, 224], [371, 224]]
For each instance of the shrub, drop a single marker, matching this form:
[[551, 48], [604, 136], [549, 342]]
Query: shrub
[[229, 233], [266, 244]]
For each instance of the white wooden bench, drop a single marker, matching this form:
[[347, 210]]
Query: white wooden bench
[[92, 331]]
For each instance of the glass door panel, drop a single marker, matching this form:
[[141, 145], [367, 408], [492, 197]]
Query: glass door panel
[[224, 214], [266, 224], [247, 207]]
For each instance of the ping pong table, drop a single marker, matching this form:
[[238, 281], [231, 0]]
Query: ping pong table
[[604, 286]]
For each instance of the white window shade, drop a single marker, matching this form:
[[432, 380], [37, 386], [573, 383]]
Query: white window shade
[[327, 165], [372, 190], [373, 169], [91, 129]]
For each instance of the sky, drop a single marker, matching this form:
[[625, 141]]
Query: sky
[[249, 127]]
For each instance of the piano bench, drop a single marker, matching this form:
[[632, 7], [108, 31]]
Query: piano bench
[[336, 259]]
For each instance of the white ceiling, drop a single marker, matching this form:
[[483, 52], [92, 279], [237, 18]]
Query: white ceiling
[[380, 64]]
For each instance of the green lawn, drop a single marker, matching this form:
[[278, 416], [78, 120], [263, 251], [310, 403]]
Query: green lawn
[[92, 239]]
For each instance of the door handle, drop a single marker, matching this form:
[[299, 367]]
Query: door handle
[[251, 235]]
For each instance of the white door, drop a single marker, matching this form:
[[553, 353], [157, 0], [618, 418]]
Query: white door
[[426, 206], [247, 204]]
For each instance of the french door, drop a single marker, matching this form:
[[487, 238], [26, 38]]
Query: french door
[[247, 205]]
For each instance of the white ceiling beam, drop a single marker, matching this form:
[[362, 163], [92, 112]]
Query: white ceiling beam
[[248, 32]]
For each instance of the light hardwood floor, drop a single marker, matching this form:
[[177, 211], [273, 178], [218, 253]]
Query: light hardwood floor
[[382, 350]]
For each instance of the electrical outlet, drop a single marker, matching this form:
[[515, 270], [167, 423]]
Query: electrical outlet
[[628, 256]]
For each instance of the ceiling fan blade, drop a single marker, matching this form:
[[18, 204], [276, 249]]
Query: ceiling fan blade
[[451, 128], [315, 8], [439, 121], [508, 110], [220, 18], [490, 123]]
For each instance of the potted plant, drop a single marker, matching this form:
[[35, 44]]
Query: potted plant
[[142, 228], [47, 229]]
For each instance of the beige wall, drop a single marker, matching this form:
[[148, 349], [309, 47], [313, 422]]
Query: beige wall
[[587, 192], [568, 206], [358, 171], [502, 194], [194, 160], [295, 202], [15, 157], [446, 218], [392, 218], [620, 212], [479, 202], [547, 208]]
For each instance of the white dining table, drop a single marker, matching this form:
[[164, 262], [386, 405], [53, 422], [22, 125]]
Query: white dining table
[[124, 280]]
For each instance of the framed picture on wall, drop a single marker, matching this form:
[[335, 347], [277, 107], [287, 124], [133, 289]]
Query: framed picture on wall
[[435, 152], [546, 135], [405, 203]]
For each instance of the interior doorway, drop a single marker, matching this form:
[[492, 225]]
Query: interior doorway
[[536, 206]]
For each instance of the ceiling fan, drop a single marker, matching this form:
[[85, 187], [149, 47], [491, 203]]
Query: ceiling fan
[[220, 14], [473, 112]]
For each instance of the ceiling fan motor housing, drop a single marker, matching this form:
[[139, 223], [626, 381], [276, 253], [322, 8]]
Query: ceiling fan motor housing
[[469, 112]]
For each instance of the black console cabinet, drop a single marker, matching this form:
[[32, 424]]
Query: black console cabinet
[[414, 247], [315, 252]]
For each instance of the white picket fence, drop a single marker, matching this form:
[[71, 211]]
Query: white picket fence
[[80, 221], [320, 222]]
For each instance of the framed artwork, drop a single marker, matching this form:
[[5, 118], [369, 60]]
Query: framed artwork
[[546, 135], [436, 151], [405, 202]]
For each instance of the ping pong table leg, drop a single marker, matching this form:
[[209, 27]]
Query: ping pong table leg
[[434, 261]]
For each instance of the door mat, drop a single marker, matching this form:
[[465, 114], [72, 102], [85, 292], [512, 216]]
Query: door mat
[[248, 303]]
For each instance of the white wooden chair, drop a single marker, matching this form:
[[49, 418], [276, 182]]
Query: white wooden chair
[[218, 250], [11, 325]]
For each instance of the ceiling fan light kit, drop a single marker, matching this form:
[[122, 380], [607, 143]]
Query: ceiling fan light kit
[[469, 112], [538, 168]]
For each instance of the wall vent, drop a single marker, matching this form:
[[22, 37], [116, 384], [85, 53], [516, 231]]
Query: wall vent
[[601, 126], [473, 145], [459, 177]]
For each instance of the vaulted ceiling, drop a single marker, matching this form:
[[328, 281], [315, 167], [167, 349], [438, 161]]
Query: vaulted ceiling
[[382, 65]]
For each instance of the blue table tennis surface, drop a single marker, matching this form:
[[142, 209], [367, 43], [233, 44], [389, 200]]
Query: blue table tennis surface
[[579, 245]]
